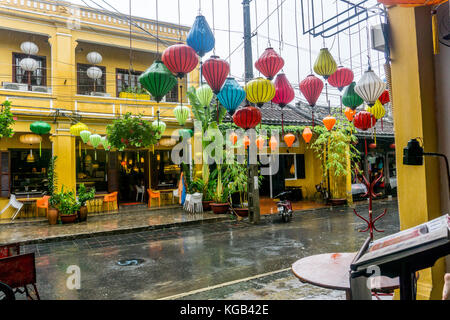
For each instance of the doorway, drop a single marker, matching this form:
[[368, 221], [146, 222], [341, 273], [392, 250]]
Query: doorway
[[133, 174]]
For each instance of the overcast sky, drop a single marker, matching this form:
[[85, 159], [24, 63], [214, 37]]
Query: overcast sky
[[285, 16]]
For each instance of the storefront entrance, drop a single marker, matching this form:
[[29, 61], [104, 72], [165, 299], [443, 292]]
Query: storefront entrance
[[133, 176]]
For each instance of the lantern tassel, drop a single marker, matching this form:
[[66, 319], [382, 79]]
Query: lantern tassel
[[434, 24], [375, 135], [79, 147], [95, 154], [40, 148]]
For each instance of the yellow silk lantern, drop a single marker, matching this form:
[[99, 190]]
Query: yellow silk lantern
[[325, 64], [377, 110], [260, 91], [76, 129], [30, 139]]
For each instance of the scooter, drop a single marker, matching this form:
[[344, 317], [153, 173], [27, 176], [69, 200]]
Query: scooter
[[284, 206]]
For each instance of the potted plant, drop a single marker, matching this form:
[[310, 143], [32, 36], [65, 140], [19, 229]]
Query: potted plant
[[68, 206], [83, 196], [53, 201], [207, 189], [220, 203], [136, 93], [236, 178]]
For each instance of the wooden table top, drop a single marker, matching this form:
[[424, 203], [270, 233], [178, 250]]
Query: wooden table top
[[332, 271], [28, 199]]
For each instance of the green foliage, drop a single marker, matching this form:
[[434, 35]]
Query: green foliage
[[338, 142], [221, 190], [205, 115], [84, 195], [236, 178], [135, 90], [132, 131], [6, 120], [65, 201], [206, 188]]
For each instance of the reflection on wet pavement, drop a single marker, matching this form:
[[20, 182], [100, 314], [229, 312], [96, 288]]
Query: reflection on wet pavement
[[189, 258]]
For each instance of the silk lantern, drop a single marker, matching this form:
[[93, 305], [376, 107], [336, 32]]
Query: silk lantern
[[260, 142], [204, 95], [260, 91], [75, 130], [200, 37], [349, 114], [158, 80], [284, 93], [341, 78], [373, 146], [180, 59], [350, 98], [329, 122], [307, 134], [384, 98], [270, 63], [215, 71], [159, 125], [231, 95], [84, 135], [273, 143], [325, 64], [30, 139], [289, 139], [29, 48], [247, 117], [364, 120], [233, 138], [311, 88], [181, 114], [40, 128], [94, 57], [246, 142], [370, 87], [95, 140], [377, 110]]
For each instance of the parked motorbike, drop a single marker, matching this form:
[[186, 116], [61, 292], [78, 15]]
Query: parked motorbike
[[284, 206]]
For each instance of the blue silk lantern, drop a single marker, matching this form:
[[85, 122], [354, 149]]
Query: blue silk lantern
[[231, 95], [200, 37]]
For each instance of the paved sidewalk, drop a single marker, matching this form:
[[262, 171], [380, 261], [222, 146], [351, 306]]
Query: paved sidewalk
[[123, 222]]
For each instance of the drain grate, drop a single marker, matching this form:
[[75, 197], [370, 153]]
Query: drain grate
[[130, 262]]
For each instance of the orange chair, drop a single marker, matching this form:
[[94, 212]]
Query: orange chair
[[42, 204], [110, 199], [153, 195]]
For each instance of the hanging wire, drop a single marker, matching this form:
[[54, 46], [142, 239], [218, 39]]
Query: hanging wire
[[368, 43], [199, 6], [179, 20], [309, 39], [296, 39], [157, 29], [131, 48], [229, 34], [350, 39], [338, 36], [256, 23], [360, 46], [214, 26], [279, 28], [323, 25], [268, 26]]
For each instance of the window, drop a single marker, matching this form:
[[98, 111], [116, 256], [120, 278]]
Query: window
[[294, 165], [172, 96], [37, 78], [124, 81], [85, 85]]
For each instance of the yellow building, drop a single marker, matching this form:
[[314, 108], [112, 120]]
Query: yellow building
[[60, 93]]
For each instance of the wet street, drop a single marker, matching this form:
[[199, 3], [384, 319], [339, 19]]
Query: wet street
[[223, 260]]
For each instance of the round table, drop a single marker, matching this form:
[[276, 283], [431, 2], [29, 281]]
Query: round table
[[332, 271]]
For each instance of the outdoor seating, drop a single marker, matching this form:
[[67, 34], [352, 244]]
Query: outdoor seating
[[110, 201], [175, 195], [15, 204], [42, 204], [18, 272], [195, 203], [153, 195], [140, 190]]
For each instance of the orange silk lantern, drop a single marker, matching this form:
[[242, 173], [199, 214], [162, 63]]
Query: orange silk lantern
[[307, 134], [273, 143], [349, 113], [329, 122], [260, 142], [373, 146], [289, 139], [246, 142], [233, 138]]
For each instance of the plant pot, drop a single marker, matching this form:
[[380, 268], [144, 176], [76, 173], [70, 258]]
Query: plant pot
[[52, 216], [82, 214], [207, 205], [69, 218], [241, 212], [219, 208]]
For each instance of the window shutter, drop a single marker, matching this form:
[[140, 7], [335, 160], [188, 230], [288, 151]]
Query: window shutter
[[300, 158], [5, 174]]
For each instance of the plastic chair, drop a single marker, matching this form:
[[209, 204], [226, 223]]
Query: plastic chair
[[175, 195], [187, 200], [195, 203], [140, 190], [110, 199], [15, 204], [42, 204], [153, 195]]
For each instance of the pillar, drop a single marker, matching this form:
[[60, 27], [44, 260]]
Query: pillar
[[64, 149], [414, 108]]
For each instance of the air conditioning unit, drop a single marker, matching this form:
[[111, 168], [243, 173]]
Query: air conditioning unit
[[15, 86], [377, 38], [41, 89], [100, 94]]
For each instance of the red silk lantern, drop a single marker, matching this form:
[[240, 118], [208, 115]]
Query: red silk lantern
[[384, 98], [411, 3], [329, 122], [341, 78], [284, 93], [373, 146], [260, 142], [215, 71], [307, 134], [364, 120], [392, 146], [247, 117], [246, 142], [233, 138], [289, 139], [180, 59], [349, 113], [270, 63], [273, 143], [311, 88]]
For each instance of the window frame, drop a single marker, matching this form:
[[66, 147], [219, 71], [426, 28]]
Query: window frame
[[125, 71], [43, 68], [103, 68], [296, 166]]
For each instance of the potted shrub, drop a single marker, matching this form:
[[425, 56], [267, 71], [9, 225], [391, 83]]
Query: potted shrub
[[220, 203], [68, 206], [236, 177], [53, 201], [83, 196], [134, 93], [207, 189]]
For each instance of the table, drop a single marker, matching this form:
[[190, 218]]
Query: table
[[27, 203], [332, 271], [168, 191]]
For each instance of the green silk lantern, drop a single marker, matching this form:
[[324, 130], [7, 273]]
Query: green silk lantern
[[350, 98], [181, 114], [76, 129], [325, 64], [204, 95], [95, 140], [40, 128], [105, 143], [158, 80], [84, 135], [160, 125]]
